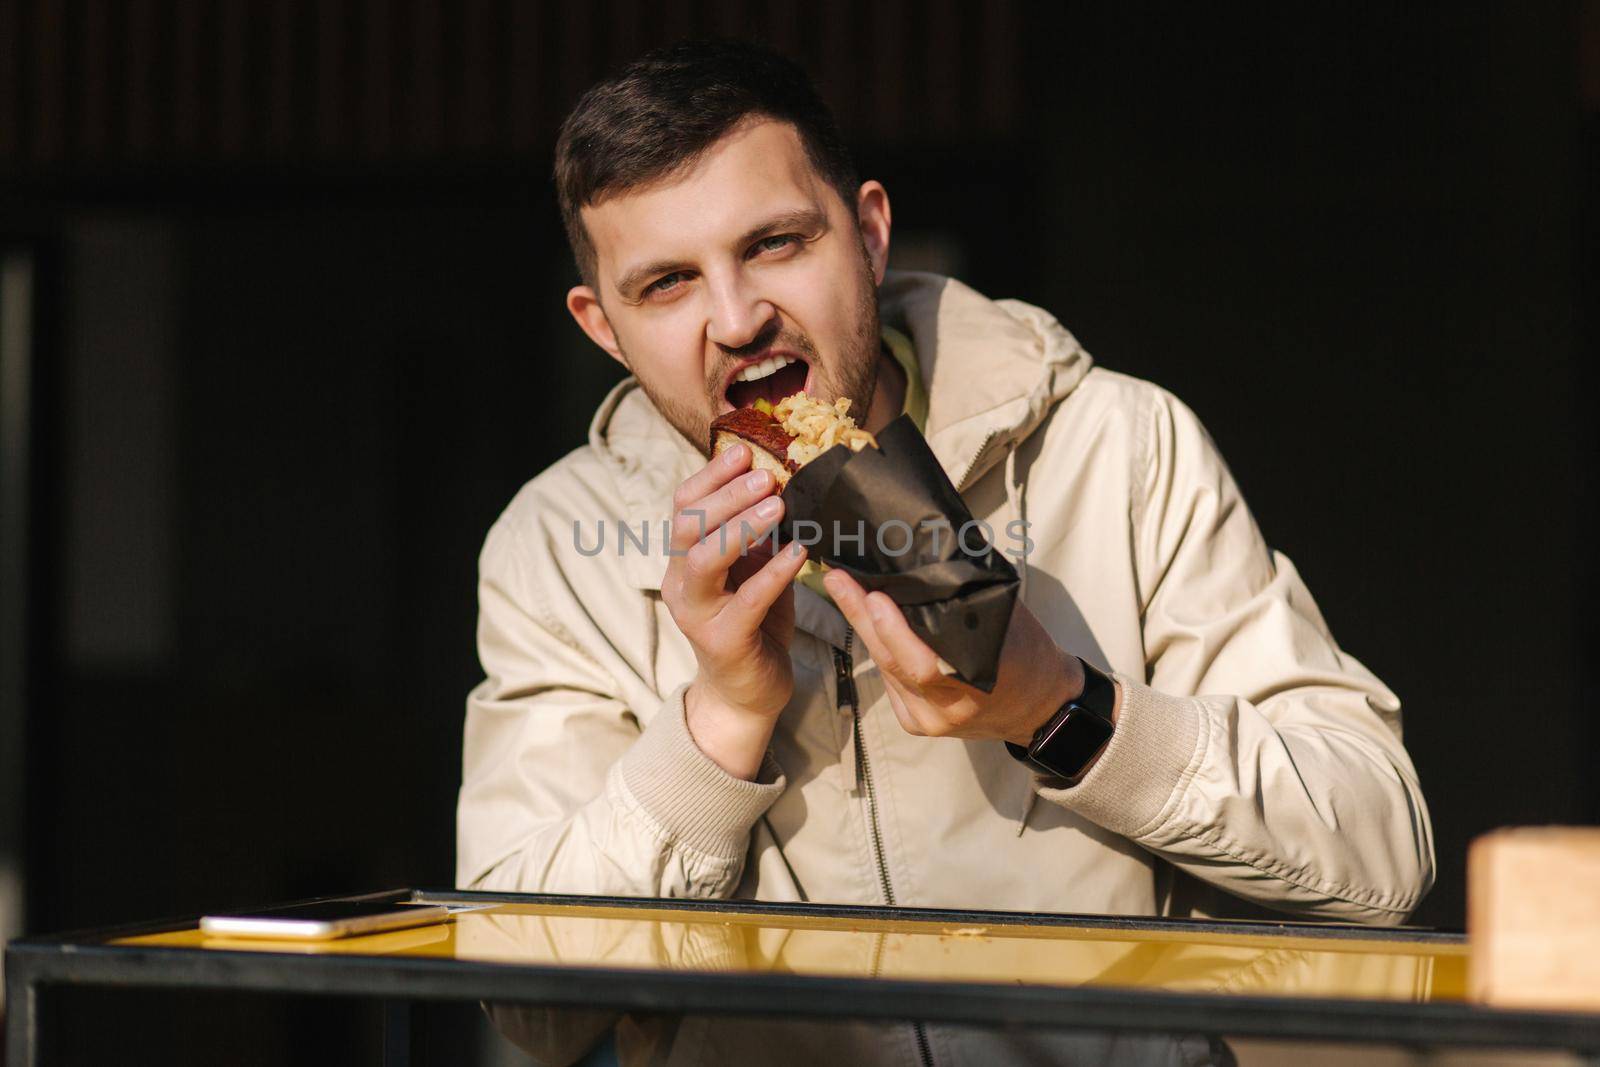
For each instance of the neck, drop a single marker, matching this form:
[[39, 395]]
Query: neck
[[888, 396]]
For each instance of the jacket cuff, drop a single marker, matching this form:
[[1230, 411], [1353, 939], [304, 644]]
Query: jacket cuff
[[694, 801], [1154, 750]]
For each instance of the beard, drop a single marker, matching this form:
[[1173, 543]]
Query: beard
[[853, 373]]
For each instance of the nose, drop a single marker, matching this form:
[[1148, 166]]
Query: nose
[[737, 313]]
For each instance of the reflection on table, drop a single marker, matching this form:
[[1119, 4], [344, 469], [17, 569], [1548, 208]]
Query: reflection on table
[[1178, 960]]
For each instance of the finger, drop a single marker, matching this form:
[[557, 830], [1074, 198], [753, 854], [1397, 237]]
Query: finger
[[708, 479], [701, 517], [920, 713], [897, 701], [915, 663], [839, 584], [915, 716], [858, 607], [749, 605], [705, 570], [851, 601], [911, 708]]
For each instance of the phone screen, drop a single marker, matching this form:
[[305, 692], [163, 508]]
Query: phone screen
[[326, 910]]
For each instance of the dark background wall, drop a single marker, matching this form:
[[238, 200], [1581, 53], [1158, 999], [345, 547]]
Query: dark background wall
[[299, 338]]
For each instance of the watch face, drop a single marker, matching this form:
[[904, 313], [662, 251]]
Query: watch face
[[1075, 740]]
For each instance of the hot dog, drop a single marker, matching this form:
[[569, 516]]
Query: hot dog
[[785, 436]]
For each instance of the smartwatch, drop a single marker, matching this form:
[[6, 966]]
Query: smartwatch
[[1067, 744]]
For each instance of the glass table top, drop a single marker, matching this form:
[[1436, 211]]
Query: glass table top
[[1178, 959]]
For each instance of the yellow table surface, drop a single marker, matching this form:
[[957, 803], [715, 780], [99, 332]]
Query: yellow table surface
[[1177, 960]]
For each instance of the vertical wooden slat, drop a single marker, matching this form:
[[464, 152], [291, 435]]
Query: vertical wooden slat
[[525, 64], [425, 111], [577, 52], [474, 120], [1000, 58], [10, 81], [138, 79], [837, 70], [186, 85], [1589, 54], [378, 72], [329, 99], [886, 98], [49, 82], [281, 75], [674, 22], [233, 113], [94, 117], [621, 41], [728, 19], [942, 67], [782, 28]]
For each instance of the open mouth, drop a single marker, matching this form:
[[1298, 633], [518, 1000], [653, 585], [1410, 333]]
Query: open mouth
[[770, 379]]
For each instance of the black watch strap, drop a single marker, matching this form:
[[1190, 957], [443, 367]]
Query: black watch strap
[[1066, 745], [1099, 691]]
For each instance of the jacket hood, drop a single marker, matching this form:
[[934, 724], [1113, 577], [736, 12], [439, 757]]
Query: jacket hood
[[993, 370]]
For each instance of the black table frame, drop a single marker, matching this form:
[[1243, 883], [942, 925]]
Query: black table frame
[[33, 965]]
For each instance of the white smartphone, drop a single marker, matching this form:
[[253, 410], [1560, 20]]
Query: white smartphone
[[324, 920]]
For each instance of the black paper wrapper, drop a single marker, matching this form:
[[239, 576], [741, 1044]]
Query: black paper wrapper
[[957, 597]]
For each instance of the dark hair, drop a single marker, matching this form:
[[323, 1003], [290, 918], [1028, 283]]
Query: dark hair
[[667, 108]]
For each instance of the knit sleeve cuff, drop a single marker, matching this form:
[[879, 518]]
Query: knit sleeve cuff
[[1154, 750], [694, 801]]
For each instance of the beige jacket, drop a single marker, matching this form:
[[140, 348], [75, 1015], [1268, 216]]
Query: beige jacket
[[1252, 755]]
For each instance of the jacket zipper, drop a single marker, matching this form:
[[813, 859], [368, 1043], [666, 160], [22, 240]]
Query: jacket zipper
[[845, 684], [972, 464], [845, 687]]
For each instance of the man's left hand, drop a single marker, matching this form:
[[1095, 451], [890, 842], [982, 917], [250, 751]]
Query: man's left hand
[[1035, 677]]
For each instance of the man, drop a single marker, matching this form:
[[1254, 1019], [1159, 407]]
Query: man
[[704, 719]]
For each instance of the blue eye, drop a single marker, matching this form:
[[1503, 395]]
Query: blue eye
[[774, 244], [666, 282]]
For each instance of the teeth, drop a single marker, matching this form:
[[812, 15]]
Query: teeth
[[756, 371]]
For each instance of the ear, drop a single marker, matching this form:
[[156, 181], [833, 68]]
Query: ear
[[872, 215], [586, 311]]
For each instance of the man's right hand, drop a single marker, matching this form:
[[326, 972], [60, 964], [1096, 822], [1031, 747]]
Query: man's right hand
[[735, 607]]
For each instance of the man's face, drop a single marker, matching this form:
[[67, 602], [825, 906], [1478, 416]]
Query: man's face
[[707, 283]]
